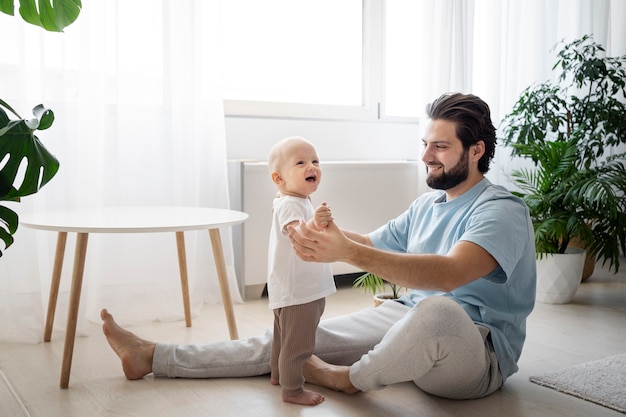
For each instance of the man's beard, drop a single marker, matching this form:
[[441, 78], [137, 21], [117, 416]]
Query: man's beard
[[452, 178]]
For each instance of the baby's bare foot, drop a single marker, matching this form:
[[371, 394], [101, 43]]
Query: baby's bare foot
[[135, 353], [306, 397]]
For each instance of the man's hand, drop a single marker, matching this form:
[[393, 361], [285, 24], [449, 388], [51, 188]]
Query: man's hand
[[312, 245]]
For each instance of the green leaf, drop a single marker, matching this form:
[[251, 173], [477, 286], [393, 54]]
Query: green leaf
[[370, 282], [64, 13], [19, 145], [8, 226], [9, 108], [6, 6], [28, 11], [53, 17], [44, 116], [8, 219], [375, 284]]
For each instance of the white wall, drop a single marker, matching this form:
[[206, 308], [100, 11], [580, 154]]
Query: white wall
[[252, 138], [342, 140]]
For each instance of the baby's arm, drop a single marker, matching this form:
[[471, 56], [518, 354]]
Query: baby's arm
[[323, 216]]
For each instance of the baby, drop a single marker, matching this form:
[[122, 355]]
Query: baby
[[296, 289]]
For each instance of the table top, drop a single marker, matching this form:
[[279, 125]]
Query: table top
[[132, 219]]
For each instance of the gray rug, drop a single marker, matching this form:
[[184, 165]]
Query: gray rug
[[602, 381]]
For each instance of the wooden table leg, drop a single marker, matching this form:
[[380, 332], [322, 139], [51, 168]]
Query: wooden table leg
[[54, 285], [184, 281], [222, 276], [72, 311]]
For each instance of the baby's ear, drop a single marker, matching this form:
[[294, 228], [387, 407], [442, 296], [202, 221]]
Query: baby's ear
[[276, 177]]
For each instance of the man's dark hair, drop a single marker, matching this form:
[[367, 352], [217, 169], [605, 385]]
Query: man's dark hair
[[472, 118]]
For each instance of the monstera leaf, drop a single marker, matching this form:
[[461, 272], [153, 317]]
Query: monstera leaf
[[53, 15], [23, 160]]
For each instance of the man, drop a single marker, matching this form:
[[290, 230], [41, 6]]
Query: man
[[468, 251]]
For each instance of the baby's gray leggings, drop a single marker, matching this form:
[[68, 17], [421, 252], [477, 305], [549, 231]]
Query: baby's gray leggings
[[385, 345]]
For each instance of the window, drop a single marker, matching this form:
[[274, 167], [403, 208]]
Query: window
[[299, 58], [293, 51], [402, 60]]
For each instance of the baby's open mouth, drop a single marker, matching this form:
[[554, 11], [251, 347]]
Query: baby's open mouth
[[312, 178]]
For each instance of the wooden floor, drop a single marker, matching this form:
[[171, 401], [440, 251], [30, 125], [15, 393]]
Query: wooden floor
[[591, 327]]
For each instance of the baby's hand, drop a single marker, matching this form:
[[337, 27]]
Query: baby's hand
[[323, 216]]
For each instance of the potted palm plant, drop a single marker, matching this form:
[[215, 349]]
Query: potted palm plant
[[573, 131], [25, 164], [376, 285]]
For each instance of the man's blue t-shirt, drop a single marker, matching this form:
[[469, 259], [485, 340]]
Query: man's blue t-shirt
[[491, 217]]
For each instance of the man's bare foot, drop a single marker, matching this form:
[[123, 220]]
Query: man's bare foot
[[336, 377], [306, 397], [135, 353]]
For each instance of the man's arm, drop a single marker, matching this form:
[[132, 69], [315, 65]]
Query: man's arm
[[357, 237], [464, 263]]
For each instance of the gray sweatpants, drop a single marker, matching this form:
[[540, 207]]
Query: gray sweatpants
[[436, 345]]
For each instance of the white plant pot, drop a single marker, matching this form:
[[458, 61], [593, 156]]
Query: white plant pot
[[559, 275], [381, 298]]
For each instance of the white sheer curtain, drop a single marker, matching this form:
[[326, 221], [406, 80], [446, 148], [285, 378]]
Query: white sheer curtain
[[496, 48], [135, 87], [514, 47]]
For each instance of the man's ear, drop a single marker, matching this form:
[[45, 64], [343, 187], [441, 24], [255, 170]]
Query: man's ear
[[478, 149], [276, 177]]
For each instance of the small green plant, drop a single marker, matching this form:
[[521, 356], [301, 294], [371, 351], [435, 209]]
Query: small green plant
[[375, 284]]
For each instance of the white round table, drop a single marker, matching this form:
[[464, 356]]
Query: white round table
[[129, 220]]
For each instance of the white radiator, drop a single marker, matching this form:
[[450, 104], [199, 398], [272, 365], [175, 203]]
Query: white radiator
[[363, 195]]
